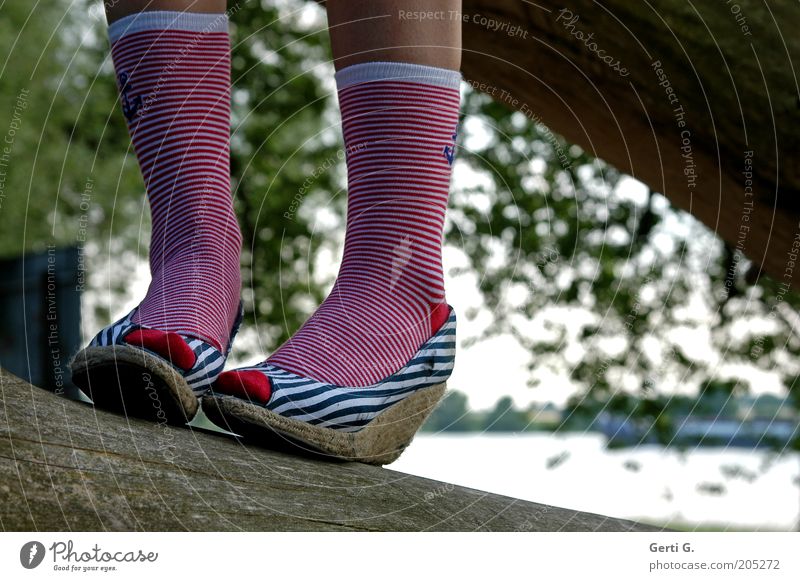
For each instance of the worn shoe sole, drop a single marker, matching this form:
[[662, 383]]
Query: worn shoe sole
[[133, 382], [379, 442]]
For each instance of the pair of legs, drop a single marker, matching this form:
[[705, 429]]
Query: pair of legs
[[360, 30], [398, 91]]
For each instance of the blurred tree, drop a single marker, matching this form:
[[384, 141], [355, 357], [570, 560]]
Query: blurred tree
[[602, 280], [505, 418], [453, 414], [286, 162], [65, 159]]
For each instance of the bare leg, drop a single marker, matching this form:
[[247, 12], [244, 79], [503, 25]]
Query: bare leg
[[394, 30], [116, 9]]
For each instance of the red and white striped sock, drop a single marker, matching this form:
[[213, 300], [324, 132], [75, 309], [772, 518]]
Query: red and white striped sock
[[173, 71], [399, 122]]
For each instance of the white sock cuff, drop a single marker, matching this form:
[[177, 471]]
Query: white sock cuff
[[396, 71], [165, 20]]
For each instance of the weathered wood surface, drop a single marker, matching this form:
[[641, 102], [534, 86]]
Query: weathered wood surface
[[66, 466], [732, 70]]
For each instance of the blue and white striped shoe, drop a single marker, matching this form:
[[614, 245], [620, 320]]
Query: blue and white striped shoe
[[146, 373], [371, 424]]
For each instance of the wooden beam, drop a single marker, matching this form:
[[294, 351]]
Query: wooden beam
[[65, 466]]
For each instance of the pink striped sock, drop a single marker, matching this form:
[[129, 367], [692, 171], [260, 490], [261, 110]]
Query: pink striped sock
[[399, 122], [173, 70]]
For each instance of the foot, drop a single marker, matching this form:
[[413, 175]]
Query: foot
[[148, 373], [373, 424], [399, 122], [343, 408]]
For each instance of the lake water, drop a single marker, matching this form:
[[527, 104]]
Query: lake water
[[720, 488]]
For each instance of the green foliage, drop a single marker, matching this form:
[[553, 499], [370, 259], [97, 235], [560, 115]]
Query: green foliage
[[604, 281], [66, 159], [504, 418], [453, 415], [286, 160]]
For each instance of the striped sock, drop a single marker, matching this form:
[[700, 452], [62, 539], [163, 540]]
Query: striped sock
[[399, 122], [173, 71]]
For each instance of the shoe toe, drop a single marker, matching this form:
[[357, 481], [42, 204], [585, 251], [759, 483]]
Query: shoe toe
[[249, 384], [170, 346]]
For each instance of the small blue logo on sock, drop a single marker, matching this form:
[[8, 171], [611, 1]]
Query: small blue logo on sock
[[130, 104], [450, 150]]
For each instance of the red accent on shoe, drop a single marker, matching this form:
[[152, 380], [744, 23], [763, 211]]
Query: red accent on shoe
[[251, 385], [170, 346], [439, 316]]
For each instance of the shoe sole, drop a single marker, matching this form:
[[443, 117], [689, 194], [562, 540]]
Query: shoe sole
[[133, 382], [379, 442]]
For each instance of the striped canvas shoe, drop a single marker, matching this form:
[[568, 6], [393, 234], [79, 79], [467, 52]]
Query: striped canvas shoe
[[146, 373], [371, 424]]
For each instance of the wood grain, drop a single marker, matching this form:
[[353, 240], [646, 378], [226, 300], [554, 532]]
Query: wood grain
[[65, 466]]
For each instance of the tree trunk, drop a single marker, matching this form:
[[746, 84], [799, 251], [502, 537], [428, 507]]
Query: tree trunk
[[65, 466], [683, 96]]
